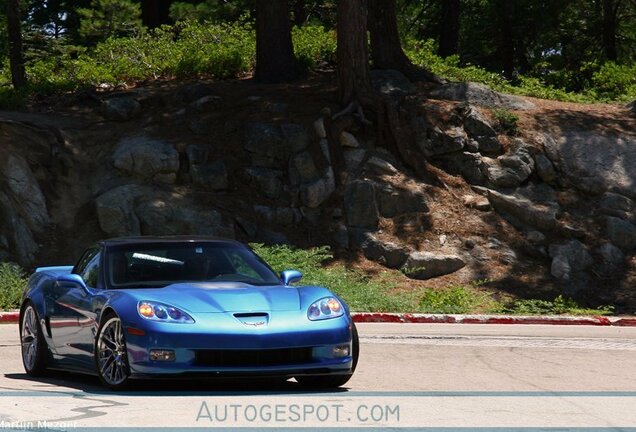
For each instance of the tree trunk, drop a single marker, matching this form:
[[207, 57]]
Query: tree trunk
[[300, 12], [609, 26], [275, 61], [352, 51], [386, 48], [16, 56], [449, 28], [155, 12], [507, 55]]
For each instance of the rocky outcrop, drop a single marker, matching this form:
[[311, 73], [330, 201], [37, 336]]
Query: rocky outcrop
[[568, 259], [482, 95], [511, 169], [361, 208], [524, 211], [621, 233], [116, 210]]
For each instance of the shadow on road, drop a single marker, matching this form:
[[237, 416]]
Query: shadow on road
[[62, 381]]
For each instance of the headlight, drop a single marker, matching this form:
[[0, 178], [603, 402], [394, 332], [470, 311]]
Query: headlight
[[162, 312], [328, 307]]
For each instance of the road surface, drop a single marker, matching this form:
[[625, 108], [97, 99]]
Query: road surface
[[437, 375]]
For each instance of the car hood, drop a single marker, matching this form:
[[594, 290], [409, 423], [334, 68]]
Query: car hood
[[224, 297]]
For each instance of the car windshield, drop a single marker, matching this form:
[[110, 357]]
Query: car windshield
[[160, 264]]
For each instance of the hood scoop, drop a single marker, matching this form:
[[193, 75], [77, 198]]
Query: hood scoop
[[253, 319]]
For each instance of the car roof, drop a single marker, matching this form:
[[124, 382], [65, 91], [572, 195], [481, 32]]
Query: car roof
[[167, 239]]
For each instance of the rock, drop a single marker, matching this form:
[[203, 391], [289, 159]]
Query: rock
[[353, 158], [508, 257], [266, 180], [570, 231], [324, 148], [302, 168], [196, 91], [279, 215], [206, 103], [360, 205], [568, 258], [270, 237], [23, 191], [521, 210], [477, 202], [597, 161], [160, 216], [120, 108], [197, 155], [632, 107], [612, 257], [212, 175], [489, 145], [480, 94], [315, 193], [295, 138], [380, 165], [468, 165], [392, 201], [427, 265], [248, 227], [512, 169], [271, 145], [116, 210], [476, 124], [341, 236], [620, 206], [319, 128], [545, 169], [442, 142], [348, 140], [275, 107], [388, 254], [20, 244], [391, 82], [147, 158], [471, 146], [535, 237], [621, 233]]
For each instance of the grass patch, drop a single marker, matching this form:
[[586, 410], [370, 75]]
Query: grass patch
[[559, 306], [13, 282]]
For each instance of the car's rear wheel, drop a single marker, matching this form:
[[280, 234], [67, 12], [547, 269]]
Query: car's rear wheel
[[32, 341], [111, 355], [334, 381]]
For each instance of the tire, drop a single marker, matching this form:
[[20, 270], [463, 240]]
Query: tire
[[334, 381], [34, 348], [111, 354]]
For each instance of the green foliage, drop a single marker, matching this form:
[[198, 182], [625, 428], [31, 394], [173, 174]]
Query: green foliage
[[453, 300], [615, 82], [109, 18], [314, 45], [209, 10], [12, 284], [559, 306], [506, 121]]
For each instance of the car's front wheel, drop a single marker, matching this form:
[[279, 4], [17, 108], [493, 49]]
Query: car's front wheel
[[334, 381], [111, 355], [34, 350]]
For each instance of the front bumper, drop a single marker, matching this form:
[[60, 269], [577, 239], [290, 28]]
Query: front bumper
[[222, 333]]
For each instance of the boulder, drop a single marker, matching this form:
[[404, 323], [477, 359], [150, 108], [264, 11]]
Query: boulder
[[427, 265], [315, 193], [476, 202], [295, 138], [389, 254], [302, 168], [381, 166], [348, 140], [120, 108], [211, 175], [160, 216], [621, 233], [392, 201], [612, 257], [511, 169], [361, 207], [319, 128], [524, 211], [206, 103], [194, 92], [437, 142], [266, 180], [545, 169], [353, 158], [391, 82], [481, 95], [278, 215], [147, 158], [476, 124], [197, 155], [270, 145], [19, 243], [116, 210], [489, 145], [568, 259], [613, 204], [24, 192]]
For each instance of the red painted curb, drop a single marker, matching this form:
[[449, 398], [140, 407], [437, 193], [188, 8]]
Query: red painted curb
[[9, 317], [368, 317], [381, 317]]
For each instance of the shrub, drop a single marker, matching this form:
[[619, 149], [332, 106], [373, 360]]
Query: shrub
[[560, 305], [314, 44], [12, 284], [506, 121]]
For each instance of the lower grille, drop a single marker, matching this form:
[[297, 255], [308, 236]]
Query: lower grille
[[245, 358]]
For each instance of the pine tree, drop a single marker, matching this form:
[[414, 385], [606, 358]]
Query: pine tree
[[106, 18]]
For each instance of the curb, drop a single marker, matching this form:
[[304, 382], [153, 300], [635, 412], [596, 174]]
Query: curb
[[366, 317], [408, 318]]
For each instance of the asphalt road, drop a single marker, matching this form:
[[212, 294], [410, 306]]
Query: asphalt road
[[409, 375]]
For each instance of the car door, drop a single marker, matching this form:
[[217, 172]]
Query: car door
[[73, 317]]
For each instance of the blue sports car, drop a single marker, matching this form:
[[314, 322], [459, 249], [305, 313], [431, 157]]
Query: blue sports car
[[175, 307]]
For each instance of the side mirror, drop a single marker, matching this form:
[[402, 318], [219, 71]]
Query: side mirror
[[290, 276], [71, 280]]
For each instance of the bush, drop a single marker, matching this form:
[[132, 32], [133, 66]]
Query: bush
[[314, 45], [453, 300], [559, 306], [506, 121], [12, 284], [615, 82]]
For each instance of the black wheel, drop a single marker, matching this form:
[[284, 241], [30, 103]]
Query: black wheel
[[111, 355], [34, 350], [334, 381]]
